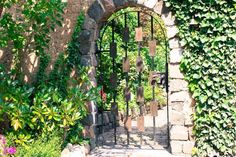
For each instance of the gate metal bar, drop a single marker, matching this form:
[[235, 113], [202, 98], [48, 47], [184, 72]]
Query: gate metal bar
[[127, 81], [153, 87], [140, 79], [113, 70]]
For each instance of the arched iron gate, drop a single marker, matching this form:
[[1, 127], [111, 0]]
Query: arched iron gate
[[155, 77]]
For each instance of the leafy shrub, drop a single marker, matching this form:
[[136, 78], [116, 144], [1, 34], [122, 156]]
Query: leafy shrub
[[39, 111], [45, 147]]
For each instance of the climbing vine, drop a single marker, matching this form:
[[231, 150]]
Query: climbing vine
[[208, 33]]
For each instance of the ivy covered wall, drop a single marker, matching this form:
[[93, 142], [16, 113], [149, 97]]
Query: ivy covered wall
[[208, 32]]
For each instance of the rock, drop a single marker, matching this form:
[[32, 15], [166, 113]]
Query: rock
[[176, 118], [77, 153], [105, 118], [178, 132], [141, 1], [187, 147], [87, 148], [119, 3], [181, 96], [99, 122], [86, 36], [159, 7], [108, 5], [88, 60], [177, 106], [178, 85], [176, 55], [172, 31], [176, 147], [188, 120], [150, 3], [87, 120], [174, 43], [168, 19], [65, 152], [175, 72], [96, 11], [86, 132], [190, 133], [69, 146], [79, 150], [89, 24], [87, 48]]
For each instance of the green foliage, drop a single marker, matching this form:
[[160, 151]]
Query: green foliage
[[210, 68], [54, 102], [29, 31], [42, 147], [39, 111]]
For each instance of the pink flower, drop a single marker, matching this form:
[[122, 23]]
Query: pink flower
[[3, 139], [11, 150]]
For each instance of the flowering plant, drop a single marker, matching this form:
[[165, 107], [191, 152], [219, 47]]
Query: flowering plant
[[4, 150]]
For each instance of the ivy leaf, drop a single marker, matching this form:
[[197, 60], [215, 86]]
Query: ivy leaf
[[203, 98], [196, 76]]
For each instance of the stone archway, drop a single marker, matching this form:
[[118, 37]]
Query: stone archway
[[180, 109]]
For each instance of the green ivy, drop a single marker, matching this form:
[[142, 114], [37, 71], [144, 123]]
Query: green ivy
[[208, 33]]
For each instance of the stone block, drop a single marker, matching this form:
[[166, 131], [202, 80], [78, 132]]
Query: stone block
[[174, 43], [150, 3], [188, 120], [168, 19], [119, 3], [172, 31], [177, 106], [176, 118], [86, 148], [176, 147], [178, 132], [109, 5], [89, 23], [88, 60], [86, 36], [65, 152], [99, 120], [96, 11], [175, 72], [187, 147], [176, 85], [181, 96], [190, 133], [141, 1], [105, 118], [159, 7], [87, 48], [88, 120], [176, 55]]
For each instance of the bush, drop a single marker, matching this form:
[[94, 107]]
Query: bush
[[50, 147]]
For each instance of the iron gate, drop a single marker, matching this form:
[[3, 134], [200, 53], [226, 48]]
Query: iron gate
[[155, 77]]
